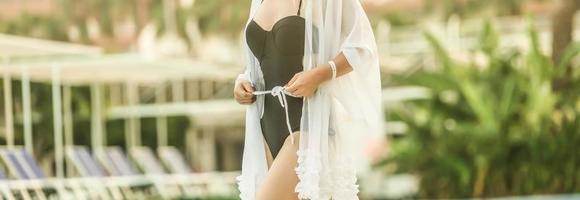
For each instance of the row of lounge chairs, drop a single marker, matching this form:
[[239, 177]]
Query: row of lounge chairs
[[109, 173]]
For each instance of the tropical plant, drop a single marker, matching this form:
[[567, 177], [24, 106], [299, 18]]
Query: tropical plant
[[222, 16], [475, 7], [563, 28], [491, 128], [30, 25]]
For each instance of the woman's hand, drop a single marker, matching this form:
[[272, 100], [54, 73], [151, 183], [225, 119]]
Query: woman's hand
[[303, 84], [243, 92]]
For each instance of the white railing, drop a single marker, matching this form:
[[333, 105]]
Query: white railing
[[459, 35]]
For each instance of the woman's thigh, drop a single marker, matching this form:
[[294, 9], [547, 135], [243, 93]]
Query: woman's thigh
[[269, 157], [281, 179]]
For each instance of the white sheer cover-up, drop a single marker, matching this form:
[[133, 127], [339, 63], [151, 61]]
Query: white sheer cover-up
[[350, 105]]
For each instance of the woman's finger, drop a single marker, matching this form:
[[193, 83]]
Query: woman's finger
[[237, 94], [248, 87], [245, 100], [299, 93], [242, 97], [249, 101], [295, 92], [292, 80], [246, 95], [240, 94], [292, 88]]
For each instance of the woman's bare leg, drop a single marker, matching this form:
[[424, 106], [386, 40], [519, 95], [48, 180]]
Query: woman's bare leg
[[269, 158], [281, 179]]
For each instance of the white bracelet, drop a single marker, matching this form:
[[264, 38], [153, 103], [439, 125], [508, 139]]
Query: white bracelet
[[333, 68]]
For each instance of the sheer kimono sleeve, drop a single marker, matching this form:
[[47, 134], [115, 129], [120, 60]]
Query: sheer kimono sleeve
[[244, 76], [360, 90]]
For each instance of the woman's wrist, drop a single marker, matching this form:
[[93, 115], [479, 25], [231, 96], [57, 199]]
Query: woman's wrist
[[323, 73]]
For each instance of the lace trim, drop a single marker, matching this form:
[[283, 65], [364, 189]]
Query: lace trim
[[245, 186], [308, 176], [342, 180], [337, 181]]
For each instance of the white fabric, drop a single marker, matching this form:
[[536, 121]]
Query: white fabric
[[338, 119]]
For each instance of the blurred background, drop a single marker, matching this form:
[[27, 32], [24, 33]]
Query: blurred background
[[132, 99]]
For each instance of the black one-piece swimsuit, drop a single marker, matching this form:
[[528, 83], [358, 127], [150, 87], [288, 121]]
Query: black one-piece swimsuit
[[280, 52]]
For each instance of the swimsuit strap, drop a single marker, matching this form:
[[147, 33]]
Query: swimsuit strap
[[299, 6]]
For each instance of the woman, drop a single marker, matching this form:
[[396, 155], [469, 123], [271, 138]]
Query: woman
[[313, 89]]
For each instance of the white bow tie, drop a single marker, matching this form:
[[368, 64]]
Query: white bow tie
[[281, 93]]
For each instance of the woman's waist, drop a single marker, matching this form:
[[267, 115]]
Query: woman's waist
[[275, 60], [273, 101], [278, 74]]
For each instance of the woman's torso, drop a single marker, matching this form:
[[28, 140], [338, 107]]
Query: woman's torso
[[279, 52]]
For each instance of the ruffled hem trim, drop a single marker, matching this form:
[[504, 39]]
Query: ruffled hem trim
[[337, 181], [245, 186], [308, 176]]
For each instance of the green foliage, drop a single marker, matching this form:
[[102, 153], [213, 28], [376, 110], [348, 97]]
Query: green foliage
[[467, 8], [492, 128], [212, 198], [222, 16], [35, 26]]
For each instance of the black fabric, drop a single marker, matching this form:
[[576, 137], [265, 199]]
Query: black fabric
[[280, 52]]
